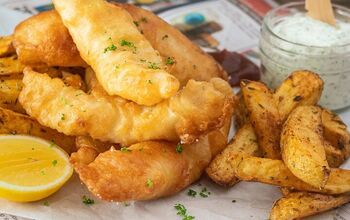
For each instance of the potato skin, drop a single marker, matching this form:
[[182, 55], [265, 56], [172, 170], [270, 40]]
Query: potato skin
[[302, 204], [15, 123], [264, 116], [275, 172], [220, 170], [302, 146], [300, 88]]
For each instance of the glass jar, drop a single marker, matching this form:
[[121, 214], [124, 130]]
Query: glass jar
[[280, 57]]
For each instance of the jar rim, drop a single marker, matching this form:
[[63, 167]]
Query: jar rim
[[270, 14]]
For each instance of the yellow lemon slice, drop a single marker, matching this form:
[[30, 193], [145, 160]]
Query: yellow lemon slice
[[31, 168]]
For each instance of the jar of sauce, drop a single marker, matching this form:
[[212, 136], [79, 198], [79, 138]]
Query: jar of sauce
[[291, 40]]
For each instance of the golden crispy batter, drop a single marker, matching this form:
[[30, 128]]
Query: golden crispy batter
[[196, 109], [264, 116], [120, 55], [190, 62], [302, 204], [14, 123], [42, 39], [159, 168], [9, 92], [220, 169], [6, 47], [302, 146]]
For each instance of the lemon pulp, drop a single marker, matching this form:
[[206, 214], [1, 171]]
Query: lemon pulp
[[31, 168]]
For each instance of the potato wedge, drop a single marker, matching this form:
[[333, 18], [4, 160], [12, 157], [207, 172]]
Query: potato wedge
[[10, 65], [14, 123], [302, 204], [275, 172], [302, 146], [335, 131], [264, 116], [334, 156], [9, 92], [220, 170], [300, 88], [6, 47]]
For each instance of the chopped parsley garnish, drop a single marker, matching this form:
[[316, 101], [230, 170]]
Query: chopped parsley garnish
[[153, 66], [42, 172], [204, 193], [165, 37], [170, 61], [112, 47], [127, 44], [46, 203], [179, 148], [136, 23], [78, 94], [143, 19], [126, 204], [125, 149], [88, 201], [149, 183], [192, 193], [142, 60], [182, 211], [54, 163], [63, 117], [53, 143], [149, 81]]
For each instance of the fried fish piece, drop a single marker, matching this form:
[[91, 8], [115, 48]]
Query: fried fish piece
[[160, 168], [124, 61], [183, 58], [198, 108], [43, 39]]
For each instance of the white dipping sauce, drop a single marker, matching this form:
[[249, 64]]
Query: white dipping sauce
[[298, 42]]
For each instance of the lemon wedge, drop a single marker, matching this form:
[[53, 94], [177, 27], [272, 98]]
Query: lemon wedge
[[31, 168]]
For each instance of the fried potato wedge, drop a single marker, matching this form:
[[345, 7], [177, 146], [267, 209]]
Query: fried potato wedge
[[300, 88], [335, 131], [120, 55], [9, 92], [275, 172], [302, 146], [15, 123], [334, 156], [220, 170], [10, 65], [111, 175], [264, 116], [302, 204], [6, 47], [43, 40]]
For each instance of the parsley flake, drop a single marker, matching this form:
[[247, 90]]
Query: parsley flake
[[88, 201], [149, 81], [125, 149], [136, 23], [112, 47], [149, 183], [54, 163], [182, 211], [53, 143], [204, 193], [42, 172], [170, 61], [126, 204], [191, 193], [127, 44], [153, 66], [63, 117], [179, 148], [143, 19], [46, 203]]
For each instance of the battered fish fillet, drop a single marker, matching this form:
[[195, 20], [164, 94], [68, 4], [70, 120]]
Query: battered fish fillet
[[124, 61], [43, 39], [146, 170], [198, 108], [189, 61]]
